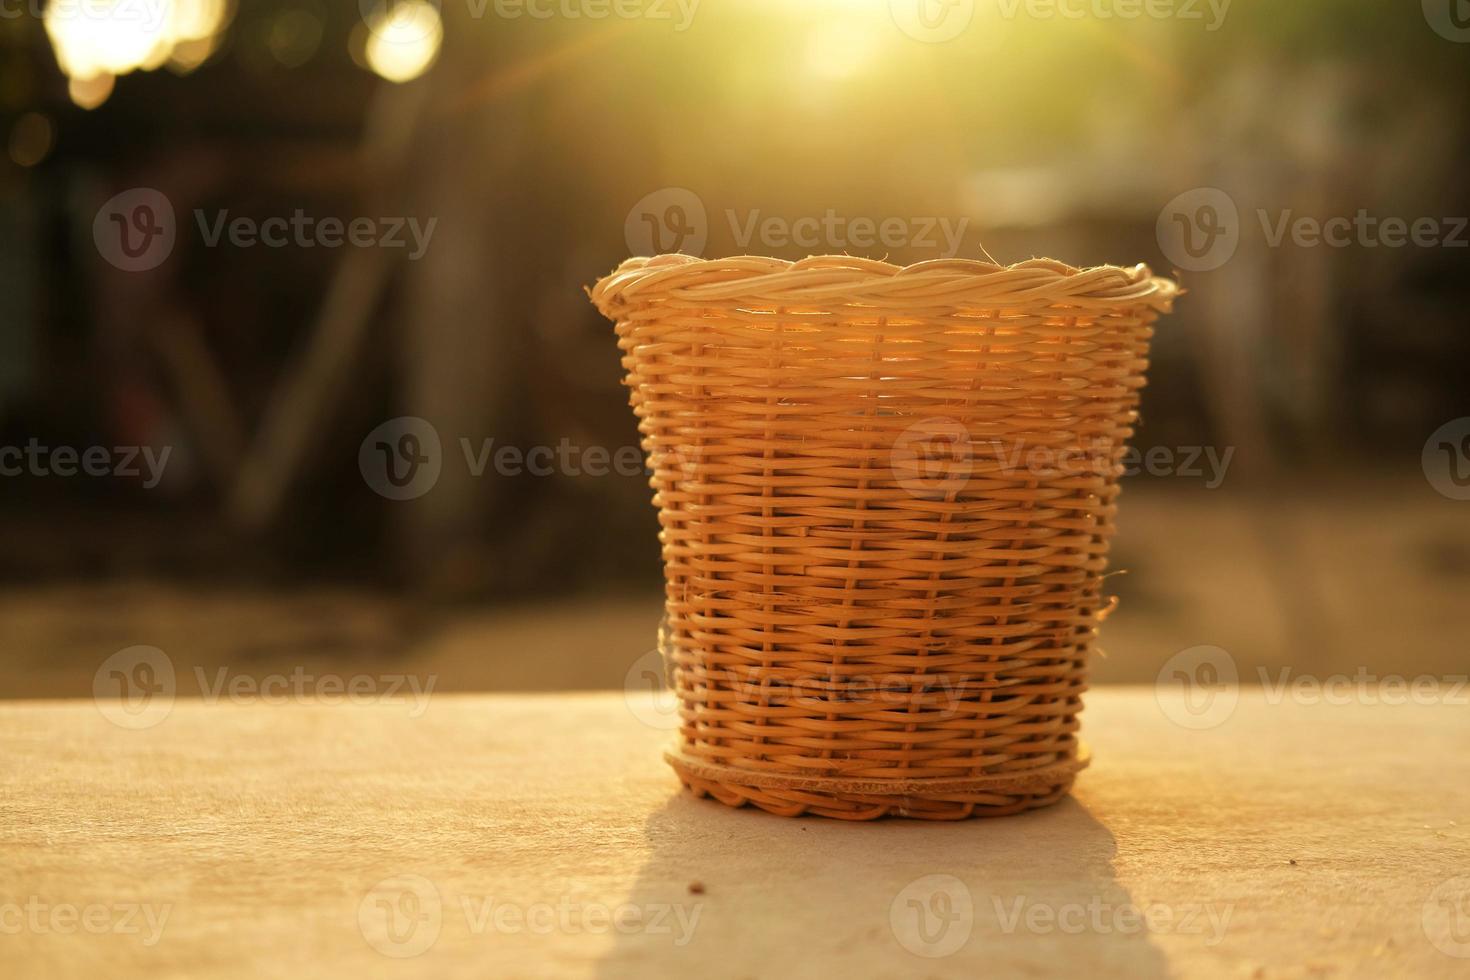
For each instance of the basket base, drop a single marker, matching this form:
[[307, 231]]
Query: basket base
[[869, 799]]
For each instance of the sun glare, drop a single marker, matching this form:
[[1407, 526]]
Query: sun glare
[[404, 41], [96, 39], [842, 47]]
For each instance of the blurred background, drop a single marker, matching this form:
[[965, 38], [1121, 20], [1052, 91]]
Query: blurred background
[[247, 244]]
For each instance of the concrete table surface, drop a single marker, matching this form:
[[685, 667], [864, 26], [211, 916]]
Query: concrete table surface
[[542, 835]]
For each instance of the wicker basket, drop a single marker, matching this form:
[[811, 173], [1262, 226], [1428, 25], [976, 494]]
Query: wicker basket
[[886, 497]]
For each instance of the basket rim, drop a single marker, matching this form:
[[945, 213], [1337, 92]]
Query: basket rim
[[818, 279]]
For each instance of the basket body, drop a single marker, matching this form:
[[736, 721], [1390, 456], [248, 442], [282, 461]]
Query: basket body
[[886, 496]]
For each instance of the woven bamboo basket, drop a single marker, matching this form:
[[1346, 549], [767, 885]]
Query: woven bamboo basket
[[886, 495]]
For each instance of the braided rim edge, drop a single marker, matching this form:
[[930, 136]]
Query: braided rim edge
[[1042, 777], [846, 279]]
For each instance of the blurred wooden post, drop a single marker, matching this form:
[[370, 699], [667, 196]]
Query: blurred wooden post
[[459, 318], [300, 406]]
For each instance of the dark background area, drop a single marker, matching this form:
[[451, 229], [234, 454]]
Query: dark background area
[[537, 146]]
